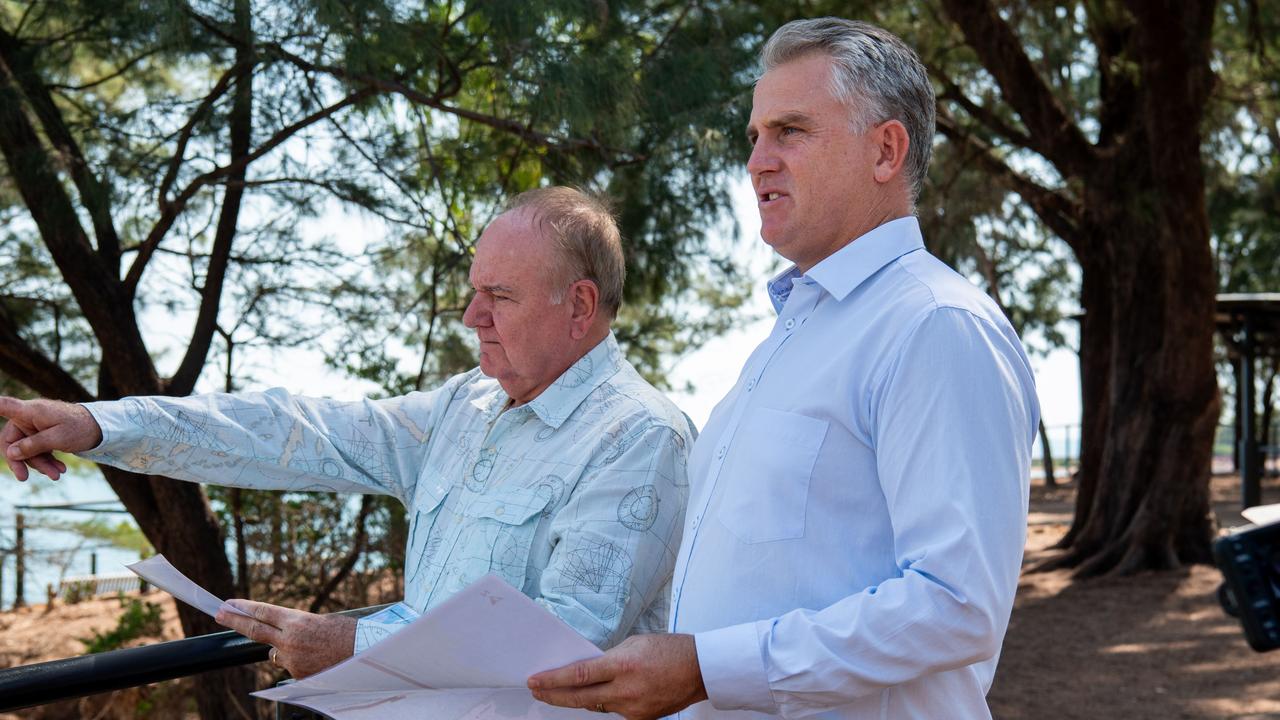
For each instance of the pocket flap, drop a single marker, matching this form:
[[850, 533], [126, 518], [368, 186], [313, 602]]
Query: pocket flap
[[512, 507]]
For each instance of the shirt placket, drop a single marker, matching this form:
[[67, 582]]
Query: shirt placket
[[795, 311], [477, 475]]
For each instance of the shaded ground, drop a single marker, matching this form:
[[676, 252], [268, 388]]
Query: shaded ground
[[1155, 646]]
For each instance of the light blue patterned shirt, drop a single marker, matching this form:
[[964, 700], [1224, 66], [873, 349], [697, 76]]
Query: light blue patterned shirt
[[576, 497]]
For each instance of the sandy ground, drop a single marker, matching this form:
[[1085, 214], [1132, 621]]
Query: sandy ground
[[1154, 646]]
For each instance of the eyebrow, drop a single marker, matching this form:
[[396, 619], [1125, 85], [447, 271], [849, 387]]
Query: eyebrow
[[497, 289], [792, 117]]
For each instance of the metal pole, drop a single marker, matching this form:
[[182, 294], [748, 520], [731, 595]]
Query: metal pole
[[93, 563], [28, 685], [20, 569], [1250, 478]]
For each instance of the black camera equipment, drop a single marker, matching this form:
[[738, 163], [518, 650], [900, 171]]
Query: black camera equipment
[[1249, 558]]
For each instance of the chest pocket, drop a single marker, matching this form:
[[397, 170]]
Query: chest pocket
[[499, 530], [765, 481], [425, 539]]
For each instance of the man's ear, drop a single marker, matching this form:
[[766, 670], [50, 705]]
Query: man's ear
[[584, 298], [892, 141]]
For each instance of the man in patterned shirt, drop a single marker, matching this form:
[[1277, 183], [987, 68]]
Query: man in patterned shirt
[[553, 464]]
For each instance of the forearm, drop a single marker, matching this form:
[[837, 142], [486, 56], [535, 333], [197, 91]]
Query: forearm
[[269, 440]]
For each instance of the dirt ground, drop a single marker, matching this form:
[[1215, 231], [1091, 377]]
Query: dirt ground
[[1155, 646]]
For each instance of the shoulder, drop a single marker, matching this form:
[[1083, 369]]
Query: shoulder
[[627, 397]]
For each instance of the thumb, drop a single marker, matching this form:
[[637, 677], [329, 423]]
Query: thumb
[[45, 441]]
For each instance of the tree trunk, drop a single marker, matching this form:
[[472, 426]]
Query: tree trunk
[[1150, 386], [1046, 455], [176, 519]]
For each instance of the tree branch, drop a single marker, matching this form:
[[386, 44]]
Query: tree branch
[[1050, 130], [95, 289], [29, 366], [984, 115], [241, 131], [172, 210], [184, 136], [93, 195], [1054, 209]]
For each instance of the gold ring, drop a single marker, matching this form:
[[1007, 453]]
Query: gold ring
[[600, 707], [274, 657]]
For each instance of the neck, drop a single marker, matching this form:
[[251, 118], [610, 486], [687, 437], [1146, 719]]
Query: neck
[[580, 348], [879, 211]]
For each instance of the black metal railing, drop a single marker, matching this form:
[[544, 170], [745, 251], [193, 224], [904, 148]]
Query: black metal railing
[[41, 683]]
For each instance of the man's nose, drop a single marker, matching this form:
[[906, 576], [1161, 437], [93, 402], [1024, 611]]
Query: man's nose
[[764, 157], [476, 314]]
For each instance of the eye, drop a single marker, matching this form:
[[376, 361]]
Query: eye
[[788, 130]]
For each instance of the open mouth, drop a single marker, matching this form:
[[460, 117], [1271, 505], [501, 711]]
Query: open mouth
[[768, 197]]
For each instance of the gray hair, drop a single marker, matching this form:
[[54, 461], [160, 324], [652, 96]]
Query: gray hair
[[873, 74], [582, 227]]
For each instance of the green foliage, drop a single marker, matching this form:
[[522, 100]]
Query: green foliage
[[77, 592], [124, 535], [138, 619]]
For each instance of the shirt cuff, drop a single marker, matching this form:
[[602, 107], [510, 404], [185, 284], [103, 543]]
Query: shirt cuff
[[375, 628], [109, 415], [733, 667]]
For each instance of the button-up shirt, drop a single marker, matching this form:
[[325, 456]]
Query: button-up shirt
[[576, 497], [858, 503]]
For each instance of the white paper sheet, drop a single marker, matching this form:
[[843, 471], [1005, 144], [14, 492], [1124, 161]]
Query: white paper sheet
[[160, 572], [465, 659], [1262, 514]]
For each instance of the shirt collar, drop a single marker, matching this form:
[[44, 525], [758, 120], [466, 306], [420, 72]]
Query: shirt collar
[[555, 404], [847, 268]]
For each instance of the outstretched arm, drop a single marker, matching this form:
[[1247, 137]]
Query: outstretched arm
[[36, 428]]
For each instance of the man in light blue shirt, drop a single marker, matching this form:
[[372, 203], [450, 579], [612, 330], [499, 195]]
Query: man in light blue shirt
[[858, 500], [553, 464]]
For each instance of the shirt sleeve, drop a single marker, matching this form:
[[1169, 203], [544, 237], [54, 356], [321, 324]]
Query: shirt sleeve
[[616, 537], [953, 421], [272, 440]]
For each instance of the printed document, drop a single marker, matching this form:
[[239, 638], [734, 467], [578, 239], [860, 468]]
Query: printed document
[[466, 659]]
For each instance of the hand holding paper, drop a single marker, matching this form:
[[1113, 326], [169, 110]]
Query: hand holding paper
[[160, 572]]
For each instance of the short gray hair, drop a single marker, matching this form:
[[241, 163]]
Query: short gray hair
[[873, 73], [582, 227]]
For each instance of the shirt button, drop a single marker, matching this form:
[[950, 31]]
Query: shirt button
[[498, 511], [720, 452], [791, 322], [751, 384]]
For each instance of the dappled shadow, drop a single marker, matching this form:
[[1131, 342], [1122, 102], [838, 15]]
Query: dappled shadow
[[1156, 645]]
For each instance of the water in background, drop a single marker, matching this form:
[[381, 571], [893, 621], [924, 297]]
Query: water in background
[[53, 554]]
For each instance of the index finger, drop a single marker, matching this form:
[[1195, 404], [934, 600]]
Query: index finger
[[11, 407], [253, 623], [579, 674]]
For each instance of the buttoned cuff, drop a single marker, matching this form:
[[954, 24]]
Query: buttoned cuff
[[733, 668]]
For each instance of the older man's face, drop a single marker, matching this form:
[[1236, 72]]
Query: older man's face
[[525, 340], [812, 175]]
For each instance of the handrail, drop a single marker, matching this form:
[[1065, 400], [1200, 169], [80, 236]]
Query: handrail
[[40, 683]]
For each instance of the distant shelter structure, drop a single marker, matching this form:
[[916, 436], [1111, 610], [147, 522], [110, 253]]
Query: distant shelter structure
[[1249, 324]]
